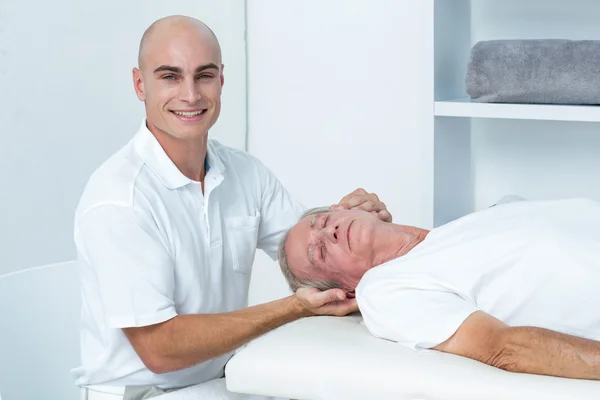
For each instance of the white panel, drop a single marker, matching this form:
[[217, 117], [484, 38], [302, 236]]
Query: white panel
[[453, 176], [536, 159], [451, 146], [332, 102], [452, 38], [40, 311], [535, 19], [425, 97], [68, 103]]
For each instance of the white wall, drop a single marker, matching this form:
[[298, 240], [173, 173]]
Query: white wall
[[334, 105], [67, 103]]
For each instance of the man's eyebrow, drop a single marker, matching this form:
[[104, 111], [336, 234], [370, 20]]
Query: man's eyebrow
[[204, 67], [178, 70], [310, 246], [169, 68]]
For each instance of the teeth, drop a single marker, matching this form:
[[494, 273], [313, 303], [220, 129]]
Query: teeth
[[188, 114]]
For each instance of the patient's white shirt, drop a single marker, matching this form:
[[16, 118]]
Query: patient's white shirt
[[530, 263]]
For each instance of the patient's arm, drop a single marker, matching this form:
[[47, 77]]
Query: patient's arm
[[524, 349]]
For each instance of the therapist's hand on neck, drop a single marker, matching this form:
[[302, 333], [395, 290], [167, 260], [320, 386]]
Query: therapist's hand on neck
[[311, 301], [360, 199]]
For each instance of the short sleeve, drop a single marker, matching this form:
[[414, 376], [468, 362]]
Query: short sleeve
[[417, 318], [130, 269], [278, 208]]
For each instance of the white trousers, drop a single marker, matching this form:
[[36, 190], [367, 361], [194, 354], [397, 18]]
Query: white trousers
[[94, 395], [211, 390]]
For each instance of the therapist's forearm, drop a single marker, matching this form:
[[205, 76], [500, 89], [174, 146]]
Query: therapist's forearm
[[545, 352], [187, 340]]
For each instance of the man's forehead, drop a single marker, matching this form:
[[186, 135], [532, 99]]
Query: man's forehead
[[163, 45], [174, 47]]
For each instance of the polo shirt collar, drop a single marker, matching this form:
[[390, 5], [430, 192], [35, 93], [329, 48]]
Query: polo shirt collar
[[215, 163], [154, 156]]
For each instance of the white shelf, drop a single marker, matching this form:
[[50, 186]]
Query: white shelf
[[466, 166], [465, 108]]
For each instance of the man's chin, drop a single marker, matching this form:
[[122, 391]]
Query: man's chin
[[189, 131]]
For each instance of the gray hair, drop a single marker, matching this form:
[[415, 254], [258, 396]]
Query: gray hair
[[293, 281]]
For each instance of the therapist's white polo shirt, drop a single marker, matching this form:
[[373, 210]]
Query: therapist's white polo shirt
[[153, 246]]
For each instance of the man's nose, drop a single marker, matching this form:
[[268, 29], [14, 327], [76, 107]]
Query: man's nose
[[331, 233], [189, 91]]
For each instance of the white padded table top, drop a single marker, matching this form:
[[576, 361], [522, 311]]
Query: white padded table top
[[337, 358]]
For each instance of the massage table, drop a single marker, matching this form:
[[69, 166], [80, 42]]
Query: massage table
[[337, 358]]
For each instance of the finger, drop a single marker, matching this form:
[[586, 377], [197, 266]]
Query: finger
[[340, 308], [370, 205], [384, 215], [370, 198], [357, 192], [313, 299], [328, 296], [348, 306], [355, 201], [352, 306]]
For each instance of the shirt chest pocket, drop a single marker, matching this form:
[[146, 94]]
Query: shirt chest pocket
[[242, 235]]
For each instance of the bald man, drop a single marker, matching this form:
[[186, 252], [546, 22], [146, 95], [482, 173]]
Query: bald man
[[167, 228]]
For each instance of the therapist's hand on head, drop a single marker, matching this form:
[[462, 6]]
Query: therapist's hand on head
[[329, 302], [360, 199]]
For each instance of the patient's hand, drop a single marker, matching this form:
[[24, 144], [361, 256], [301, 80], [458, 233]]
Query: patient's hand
[[311, 301], [361, 200]]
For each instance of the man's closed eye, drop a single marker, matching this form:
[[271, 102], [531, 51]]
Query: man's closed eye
[[325, 220], [322, 251]]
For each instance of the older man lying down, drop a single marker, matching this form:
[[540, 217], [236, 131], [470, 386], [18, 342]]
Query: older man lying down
[[515, 286]]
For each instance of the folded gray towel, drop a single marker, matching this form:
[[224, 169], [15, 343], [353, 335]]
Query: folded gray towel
[[545, 71]]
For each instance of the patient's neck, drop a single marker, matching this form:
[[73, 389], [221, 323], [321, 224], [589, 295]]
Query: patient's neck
[[397, 242]]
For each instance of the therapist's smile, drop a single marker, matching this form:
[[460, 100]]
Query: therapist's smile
[[195, 115]]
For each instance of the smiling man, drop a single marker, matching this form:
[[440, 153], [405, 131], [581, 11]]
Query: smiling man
[[167, 229], [514, 286]]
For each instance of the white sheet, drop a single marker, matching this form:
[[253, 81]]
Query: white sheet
[[336, 358]]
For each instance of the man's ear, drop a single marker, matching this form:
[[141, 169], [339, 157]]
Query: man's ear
[[138, 84]]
